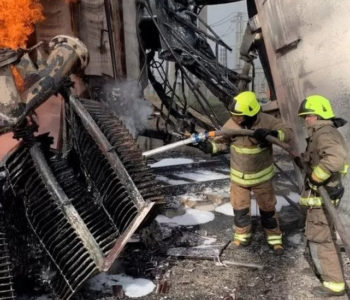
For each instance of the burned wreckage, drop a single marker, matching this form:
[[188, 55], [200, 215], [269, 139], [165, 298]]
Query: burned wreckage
[[68, 212]]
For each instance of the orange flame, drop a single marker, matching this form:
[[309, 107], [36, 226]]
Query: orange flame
[[19, 81], [17, 19]]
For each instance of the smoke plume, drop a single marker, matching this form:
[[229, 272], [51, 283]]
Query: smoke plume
[[126, 101]]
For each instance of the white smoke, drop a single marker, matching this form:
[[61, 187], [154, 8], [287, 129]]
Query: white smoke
[[127, 102]]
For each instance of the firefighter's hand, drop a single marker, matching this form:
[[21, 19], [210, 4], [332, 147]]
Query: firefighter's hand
[[261, 133], [298, 161], [312, 183], [206, 147]]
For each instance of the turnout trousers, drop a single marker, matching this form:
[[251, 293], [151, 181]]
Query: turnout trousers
[[240, 198], [324, 254]]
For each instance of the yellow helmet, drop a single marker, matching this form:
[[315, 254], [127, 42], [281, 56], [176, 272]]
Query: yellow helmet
[[245, 104], [316, 105]]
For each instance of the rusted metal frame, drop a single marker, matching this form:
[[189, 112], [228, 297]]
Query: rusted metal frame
[[108, 13], [107, 150], [191, 84], [123, 239], [68, 209]]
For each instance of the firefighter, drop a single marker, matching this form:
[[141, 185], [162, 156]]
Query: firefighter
[[252, 168], [326, 160]]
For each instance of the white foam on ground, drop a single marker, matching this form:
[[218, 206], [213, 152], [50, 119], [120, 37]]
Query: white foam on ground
[[133, 287], [170, 181], [190, 218], [207, 242], [171, 162], [281, 201], [202, 175], [191, 197], [225, 209]]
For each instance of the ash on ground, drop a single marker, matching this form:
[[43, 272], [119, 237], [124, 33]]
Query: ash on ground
[[186, 253]]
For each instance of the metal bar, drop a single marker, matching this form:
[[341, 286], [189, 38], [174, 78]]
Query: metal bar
[[107, 150], [69, 210], [107, 4], [123, 239]]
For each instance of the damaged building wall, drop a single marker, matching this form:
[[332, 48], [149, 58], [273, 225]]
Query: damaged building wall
[[300, 39]]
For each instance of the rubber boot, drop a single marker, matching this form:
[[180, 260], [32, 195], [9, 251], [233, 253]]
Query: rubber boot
[[322, 291], [278, 249]]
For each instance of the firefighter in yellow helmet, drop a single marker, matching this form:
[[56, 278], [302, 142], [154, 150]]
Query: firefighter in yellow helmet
[[326, 158], [252, 168]]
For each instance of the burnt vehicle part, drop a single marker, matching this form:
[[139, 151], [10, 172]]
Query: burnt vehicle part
[[83, 232], [26, 85], [177, 38], [102, 141], [51, 214], [7, 290]]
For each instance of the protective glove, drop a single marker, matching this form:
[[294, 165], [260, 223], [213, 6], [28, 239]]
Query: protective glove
[[206, 147], [311, 184], [261, 133], [298, 161]]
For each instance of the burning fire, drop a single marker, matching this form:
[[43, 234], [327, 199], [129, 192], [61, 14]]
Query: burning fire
[[17, 19], [19, 81]]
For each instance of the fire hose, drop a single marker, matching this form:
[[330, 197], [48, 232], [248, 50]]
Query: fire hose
[[200, 137]]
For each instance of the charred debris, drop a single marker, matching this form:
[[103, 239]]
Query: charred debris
[[67, 213]]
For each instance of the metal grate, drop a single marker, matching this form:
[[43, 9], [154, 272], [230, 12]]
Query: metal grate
[[6, 277]]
